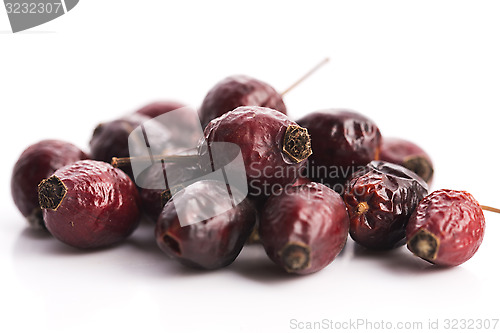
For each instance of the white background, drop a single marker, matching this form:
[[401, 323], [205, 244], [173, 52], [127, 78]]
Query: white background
[[427, 71]]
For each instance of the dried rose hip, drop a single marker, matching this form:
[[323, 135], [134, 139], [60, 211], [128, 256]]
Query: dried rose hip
[[111, 139], [342, 142], [156, 188], [274, 148], [304, 227], [409, 155], [213, 242], [37, 162], [235, 91], [446, 228], [380, 199], [89, 204], [156, 109]]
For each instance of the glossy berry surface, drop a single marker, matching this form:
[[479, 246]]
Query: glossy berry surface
[[380, 200], [111, 139], [235, 91], [342, 141], [156, 109], [156, 188], [89, 204], [409, 155], [212, 243], [274, 148], [304, 228], [36, 163], [447, 228]]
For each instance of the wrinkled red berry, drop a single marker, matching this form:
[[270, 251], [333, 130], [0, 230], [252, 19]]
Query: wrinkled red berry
[[156, 188], [156, 109], [304, 227], [342, 141], [380, 199], [213, 242], [111, 139], [37, 162], [235, 91], [274, 148], [409, 155], [447, 228], [89, 204]]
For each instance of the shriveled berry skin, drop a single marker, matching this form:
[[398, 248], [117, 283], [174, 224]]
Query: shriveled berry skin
[[153, 195], [409, 155], [110, 139], [304, 228], [156, 109], [342, 142], [235, 91], [380, 200], [447, 228], [37, 162], [262, 135], [212, 243], [89, 204]]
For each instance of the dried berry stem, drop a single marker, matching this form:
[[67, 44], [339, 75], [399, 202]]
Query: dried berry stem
[[490, 209], [296, 257], [119, 162], [305, 76]]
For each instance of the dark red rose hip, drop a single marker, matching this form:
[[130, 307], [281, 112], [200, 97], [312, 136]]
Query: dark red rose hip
[[235, 91], [156, 109], [274, 148], [380, 200], [447, 228], [89, 204], [213, 242], [342, 141], [37, 162], [409, 155], [304, 228]]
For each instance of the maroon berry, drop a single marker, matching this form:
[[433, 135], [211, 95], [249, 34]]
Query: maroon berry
[[235, 91], [342, 142], [380, 200], [274, 148], [447, 228], [409, 155], [111, 139], [156, 188], [304, 228], [213, 242], [156, 109], [89, 204], [37, 162]]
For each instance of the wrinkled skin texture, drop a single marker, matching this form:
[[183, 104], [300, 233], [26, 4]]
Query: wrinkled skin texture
[[100, 207], [153, 198], [342, 142], [311, 216], [380, 200], [235, 91], [212, 243], [36, 163], [156, 109], [259, 132], [110, 139], [456, 221], [409, 155]]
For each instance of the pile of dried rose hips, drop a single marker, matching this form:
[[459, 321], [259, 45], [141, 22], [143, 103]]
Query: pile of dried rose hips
[[331, 174]]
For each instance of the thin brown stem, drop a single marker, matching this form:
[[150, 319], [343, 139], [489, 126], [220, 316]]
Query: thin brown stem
[[305, 76], [490, 209], [119, 162]]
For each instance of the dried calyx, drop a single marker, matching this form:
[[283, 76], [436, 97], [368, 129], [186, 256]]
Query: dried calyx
[[51, 193], [295, 257], [297, 143]]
